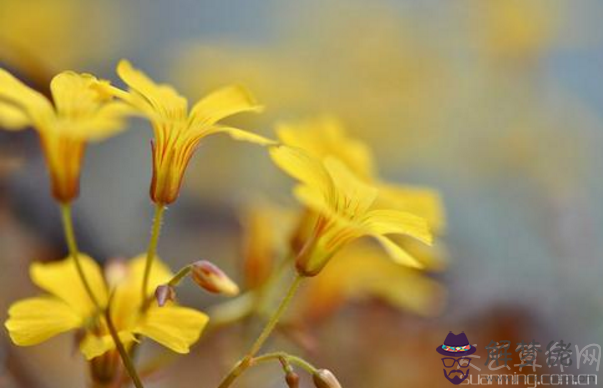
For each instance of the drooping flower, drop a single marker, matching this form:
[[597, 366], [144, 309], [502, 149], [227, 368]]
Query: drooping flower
[[326, 136], [178, 131], [81, 111], [345, 208], [67, 306]]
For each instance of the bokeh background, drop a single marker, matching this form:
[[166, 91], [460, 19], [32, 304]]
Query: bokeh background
[[496, 104]]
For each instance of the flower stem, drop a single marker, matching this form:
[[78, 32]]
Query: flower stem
[[246, 362], [288, 358], [152, 249], [74, 253], [73, 250], [125, 357]]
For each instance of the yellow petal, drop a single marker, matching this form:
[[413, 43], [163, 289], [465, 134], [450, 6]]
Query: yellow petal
[[61, 279], [13, 118], [312, 198], [301, 166], [108, 120], [325, 136], [354, 195], [150, 97], [84, 107], [93, 346], [127, 297], [176, 328], [397, 222], [160, 273], [223, 103], [73, 94], [34, 320], [398, 254], [420, 201], [241, 135], [13, 91]]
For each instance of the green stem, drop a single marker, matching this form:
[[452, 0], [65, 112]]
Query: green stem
[[125, 357], [152, 249], [245, 363], [74, 253], [287, 357], [263, 292], [73, 250], [180, 275]]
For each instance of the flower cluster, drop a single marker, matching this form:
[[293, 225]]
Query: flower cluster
[[114, 309]]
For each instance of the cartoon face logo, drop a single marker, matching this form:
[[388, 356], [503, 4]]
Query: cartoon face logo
[[456, 348]]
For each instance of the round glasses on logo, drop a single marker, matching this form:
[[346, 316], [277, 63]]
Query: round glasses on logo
[[450, 362]]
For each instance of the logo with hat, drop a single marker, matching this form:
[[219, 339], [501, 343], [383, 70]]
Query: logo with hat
[[456, 349]]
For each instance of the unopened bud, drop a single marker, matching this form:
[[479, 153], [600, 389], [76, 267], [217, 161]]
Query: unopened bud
[[213, 279], [325, 378], [292, 379], [164, 293]]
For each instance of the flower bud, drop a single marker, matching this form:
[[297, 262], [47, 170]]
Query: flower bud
[[211, 278], [164, 293], [325, 378], [292, 379]]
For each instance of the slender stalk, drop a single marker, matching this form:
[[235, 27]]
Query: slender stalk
[[125, 357], [74, 253], [180, 275], [287, 357], [245, 363], [152, 249], [73, 250]]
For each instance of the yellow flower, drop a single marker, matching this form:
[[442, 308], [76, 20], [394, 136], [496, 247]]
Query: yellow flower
[[357, 272], [81, 111], [345, 208], [68, 307], [177, 130], [326, 136]]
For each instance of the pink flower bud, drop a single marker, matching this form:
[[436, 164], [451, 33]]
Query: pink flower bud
[[211, 278]]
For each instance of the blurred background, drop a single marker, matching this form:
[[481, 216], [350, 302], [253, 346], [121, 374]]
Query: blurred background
[[495, 104]]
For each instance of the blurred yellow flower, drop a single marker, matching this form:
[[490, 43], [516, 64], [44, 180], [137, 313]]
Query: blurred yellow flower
[[345, 207], [326, 136], [40, 38], [68, 307], [177, 130], [516, 30], [361, 271], [82, 111]]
